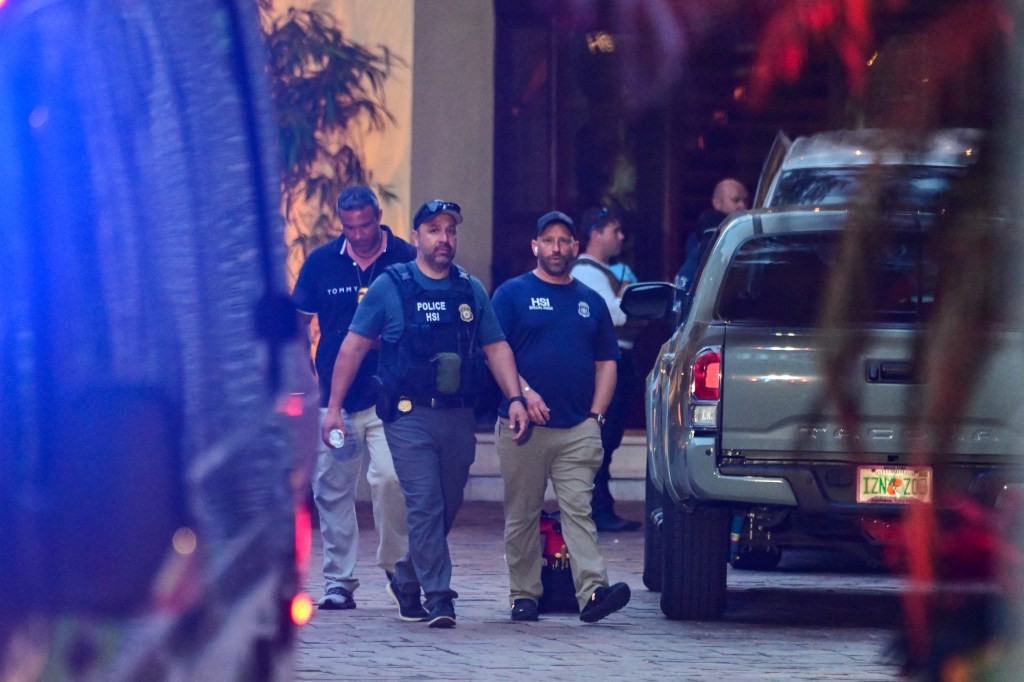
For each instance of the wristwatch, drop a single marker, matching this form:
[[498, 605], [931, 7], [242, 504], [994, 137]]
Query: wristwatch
[[517, 399], [598, 417]]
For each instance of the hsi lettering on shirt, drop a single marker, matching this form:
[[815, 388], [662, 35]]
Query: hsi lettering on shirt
[[430, 305], [540, 303]]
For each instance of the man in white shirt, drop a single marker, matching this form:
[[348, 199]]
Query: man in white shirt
[[603, 232]]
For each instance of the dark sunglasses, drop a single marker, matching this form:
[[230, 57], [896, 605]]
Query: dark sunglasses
[[601, 216], [437, 205], [432, 208]]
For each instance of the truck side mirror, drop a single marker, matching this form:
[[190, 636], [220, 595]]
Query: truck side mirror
[[649, 300]]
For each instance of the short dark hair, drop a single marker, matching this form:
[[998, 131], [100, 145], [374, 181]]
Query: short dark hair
[[357, 196], [596, 219]]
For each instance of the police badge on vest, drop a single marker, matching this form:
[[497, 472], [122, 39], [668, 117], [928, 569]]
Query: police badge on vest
[[437, 361]]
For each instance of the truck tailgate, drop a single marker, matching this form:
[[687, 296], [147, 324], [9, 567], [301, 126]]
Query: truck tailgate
[[774, 397]]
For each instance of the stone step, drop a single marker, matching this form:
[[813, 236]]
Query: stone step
[[629, 466]]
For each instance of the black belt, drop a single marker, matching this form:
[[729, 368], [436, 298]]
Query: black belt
[[439, 402]]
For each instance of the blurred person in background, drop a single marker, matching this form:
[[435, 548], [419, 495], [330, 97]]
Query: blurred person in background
[[603, 231]]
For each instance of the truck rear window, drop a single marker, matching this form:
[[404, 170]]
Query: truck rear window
[[905, 188], [781, 279]]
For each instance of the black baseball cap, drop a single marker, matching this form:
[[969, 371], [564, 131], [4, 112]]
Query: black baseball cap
[[436, 207], [555, 217]]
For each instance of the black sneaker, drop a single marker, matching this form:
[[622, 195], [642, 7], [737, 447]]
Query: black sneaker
[[337, 599], [610, 522], [442, 614], [525, 610], [410, 609], [604, 602]]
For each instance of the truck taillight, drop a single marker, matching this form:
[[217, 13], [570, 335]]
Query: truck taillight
[[707, 375]]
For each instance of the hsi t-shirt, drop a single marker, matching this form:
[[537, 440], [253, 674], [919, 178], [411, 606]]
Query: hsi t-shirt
[[557, 333]]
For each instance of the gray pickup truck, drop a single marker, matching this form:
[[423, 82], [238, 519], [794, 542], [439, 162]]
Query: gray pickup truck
[[746, 454]]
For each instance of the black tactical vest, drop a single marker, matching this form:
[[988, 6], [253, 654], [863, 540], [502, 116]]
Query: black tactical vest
[[437, 325]]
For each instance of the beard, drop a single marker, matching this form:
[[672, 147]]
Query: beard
[[556, 266], [441, 257]]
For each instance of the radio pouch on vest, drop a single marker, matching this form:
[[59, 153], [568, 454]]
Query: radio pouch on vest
[[448, 368]]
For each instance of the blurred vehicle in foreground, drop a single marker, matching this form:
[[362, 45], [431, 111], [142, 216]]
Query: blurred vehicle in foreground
[[158, 417]]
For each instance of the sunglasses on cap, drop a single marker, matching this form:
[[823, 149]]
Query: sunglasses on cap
[[435, 207]]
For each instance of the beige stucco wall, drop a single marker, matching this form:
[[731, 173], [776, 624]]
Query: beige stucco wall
[[453, 118], [372, 23], [441, 144]]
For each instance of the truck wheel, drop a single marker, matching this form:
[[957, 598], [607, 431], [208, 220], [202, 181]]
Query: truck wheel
[[695, 548], [652, 538]]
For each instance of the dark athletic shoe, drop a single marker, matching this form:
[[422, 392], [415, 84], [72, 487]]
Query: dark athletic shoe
[[337, 599], [442, 615], [604, 602], [410, 609], [610, 522], [525, 610]]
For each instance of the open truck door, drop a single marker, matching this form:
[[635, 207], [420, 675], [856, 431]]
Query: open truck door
[[770, 168]]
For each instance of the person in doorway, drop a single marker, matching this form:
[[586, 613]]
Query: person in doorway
[[728, 197], [565, 347], [435, 323], [330, 285], [603, 231]]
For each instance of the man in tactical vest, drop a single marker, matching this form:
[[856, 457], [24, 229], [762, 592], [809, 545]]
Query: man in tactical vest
[[436, 326]]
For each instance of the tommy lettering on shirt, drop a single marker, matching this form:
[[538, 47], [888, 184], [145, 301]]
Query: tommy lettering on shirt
[[334, 291]]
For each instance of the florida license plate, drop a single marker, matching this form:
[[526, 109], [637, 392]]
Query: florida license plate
[[894, 484]]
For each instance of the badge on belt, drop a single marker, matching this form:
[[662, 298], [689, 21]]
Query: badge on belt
[[404, 405]]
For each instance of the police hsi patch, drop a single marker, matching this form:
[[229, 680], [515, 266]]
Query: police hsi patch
[[465, 313]]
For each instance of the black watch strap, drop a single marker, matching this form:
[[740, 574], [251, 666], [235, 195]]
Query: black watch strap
[[517, 399]]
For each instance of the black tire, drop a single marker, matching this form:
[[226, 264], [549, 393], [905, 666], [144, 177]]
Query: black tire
[[756, 559], [695, 548], [652, 538]]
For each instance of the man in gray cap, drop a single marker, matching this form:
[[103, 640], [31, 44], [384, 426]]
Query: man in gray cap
[[435, 325], [565, 347]]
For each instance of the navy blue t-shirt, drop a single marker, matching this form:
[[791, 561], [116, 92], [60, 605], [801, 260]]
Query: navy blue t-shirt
[[557, 333], [328, 286]]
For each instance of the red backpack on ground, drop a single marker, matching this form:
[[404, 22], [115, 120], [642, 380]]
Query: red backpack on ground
[[556, 572]]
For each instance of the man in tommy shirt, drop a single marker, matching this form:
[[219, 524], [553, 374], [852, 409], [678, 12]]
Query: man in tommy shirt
[[564, 343], [330, 285]]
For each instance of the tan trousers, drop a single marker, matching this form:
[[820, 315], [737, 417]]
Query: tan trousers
[[569, 457]]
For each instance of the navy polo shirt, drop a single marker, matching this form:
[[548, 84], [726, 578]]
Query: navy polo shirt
[[328, 287]]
